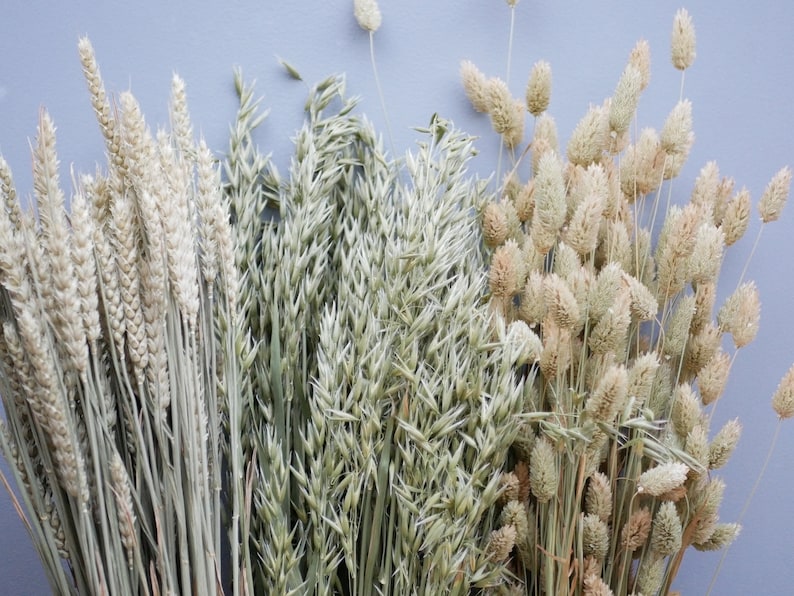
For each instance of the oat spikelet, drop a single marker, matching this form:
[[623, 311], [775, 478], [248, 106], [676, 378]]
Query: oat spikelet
[[683, 40], [775, 196], [741, 314], [636, 530], [367, 14], [543, 470], [475, 85], [736, 219], [783, 399], [538, 92]]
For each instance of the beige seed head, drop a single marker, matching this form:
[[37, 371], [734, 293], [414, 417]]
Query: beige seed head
[[543, 470], [560, 302], [624, 100], [494, 225], [532, 308], [701, 347], [538, 92], [721, 448], [667, 533], [508, 488], [706, 185], [557, 350], [502, 108], [640, 58], [696, 446], [609, 335], [641, 377], [676, 332], [546, 135], [529, 344], [582, 231], [595, 586], [706, 258], [589, 138], [662, 478], [515, 514], [642, 166], [775, 196], [721, 536], [683, 40], [635, 531], [367, 14], [650, 575], [783, 399], [475, 85], [705, 296], [686, 411], [736, 219], [566, 262], [713, 378], [550, 206], [598, 498], [501, 543], [676, 137], [595, 537], [741, 314], [506, 276], [609, 395]]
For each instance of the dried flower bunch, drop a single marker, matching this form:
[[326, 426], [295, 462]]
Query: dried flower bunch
[[385, 406], [614, 463], [116, 366], [374, 375]]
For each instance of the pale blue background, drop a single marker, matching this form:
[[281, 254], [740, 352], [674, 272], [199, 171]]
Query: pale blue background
[[741, 85]]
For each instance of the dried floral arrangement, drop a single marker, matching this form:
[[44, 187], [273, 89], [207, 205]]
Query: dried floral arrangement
[[374, 375]]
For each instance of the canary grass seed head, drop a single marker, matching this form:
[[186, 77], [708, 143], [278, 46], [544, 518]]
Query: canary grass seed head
[[501, 543], [741, 314], [775, 196], [538, 92], [475, 85], [662, 478], [507, 273], [686, 412], [683, 40], [595, 537], [736, 218], [636, 530], [543, 470], [589, 138], [721, 536], [666, 535], [640, 58], [598, 498], [713, 378], [624, 101], [783, 398], [724, 442], [367, 14]]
